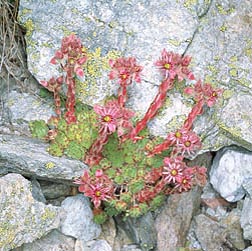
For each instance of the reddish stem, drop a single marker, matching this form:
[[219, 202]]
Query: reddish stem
[[94, 154], [161, 147], [197, 109], [122, 95], [70, 102], [157, 103], [57, 102]]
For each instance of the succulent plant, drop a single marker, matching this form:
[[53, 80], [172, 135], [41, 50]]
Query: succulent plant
[[131, 171]]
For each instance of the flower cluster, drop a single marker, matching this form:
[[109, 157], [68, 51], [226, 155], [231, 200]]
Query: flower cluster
[[204, 92], [99, 188], [71, 58], [132, 171], [173, 65], [125, 70]]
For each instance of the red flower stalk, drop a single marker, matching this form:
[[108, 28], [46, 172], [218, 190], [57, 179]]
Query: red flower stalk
[[171, 66], [94, 155], [54, 85], [71, 58], [158, 102], [153, 176], [125, 70], [161, 147], [197, 109], [112, 117], [146, 194], [172, 139]]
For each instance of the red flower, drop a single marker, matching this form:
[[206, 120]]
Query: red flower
[[204, 92], [172, 65], [173, 169], [184, 183], [108, 117], [98, 193], [189, 144], [176, 137], [125, 70], [167, 64], [98, 188]]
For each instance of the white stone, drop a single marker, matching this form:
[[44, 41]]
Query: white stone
[[78, 220], [230, 170]]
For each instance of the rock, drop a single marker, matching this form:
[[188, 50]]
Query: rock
[[222, 56], [247, 185], [94, 245], [36, 191], [221, 51], [110, 29], [109, 231], [213, 204], [225, 234], [53, 241], [248, 249], [30, 220], [173, 223], [53, 190], [122, 239], [213, 239], [230, 170], [25, 107], [140, 230], [78, 221], [233, 230], [246, 216], [29, 157], [131, 248]]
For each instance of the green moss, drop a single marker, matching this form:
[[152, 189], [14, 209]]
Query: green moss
[[49, 165], [29, 26], [223, 28], [94, 68], [224, 11], [174, 42], [189, 4], [213, 69], [233, 72], [244, 81], [175, 123], [248, 52], [233, 59], [48, 214], [234, 134], [39, 129], [227, 94]]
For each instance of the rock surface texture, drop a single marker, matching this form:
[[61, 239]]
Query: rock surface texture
[[23, 222]]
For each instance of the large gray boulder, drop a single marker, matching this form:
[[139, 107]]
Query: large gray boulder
[[29, 157], [22, 218], [215, 33]]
